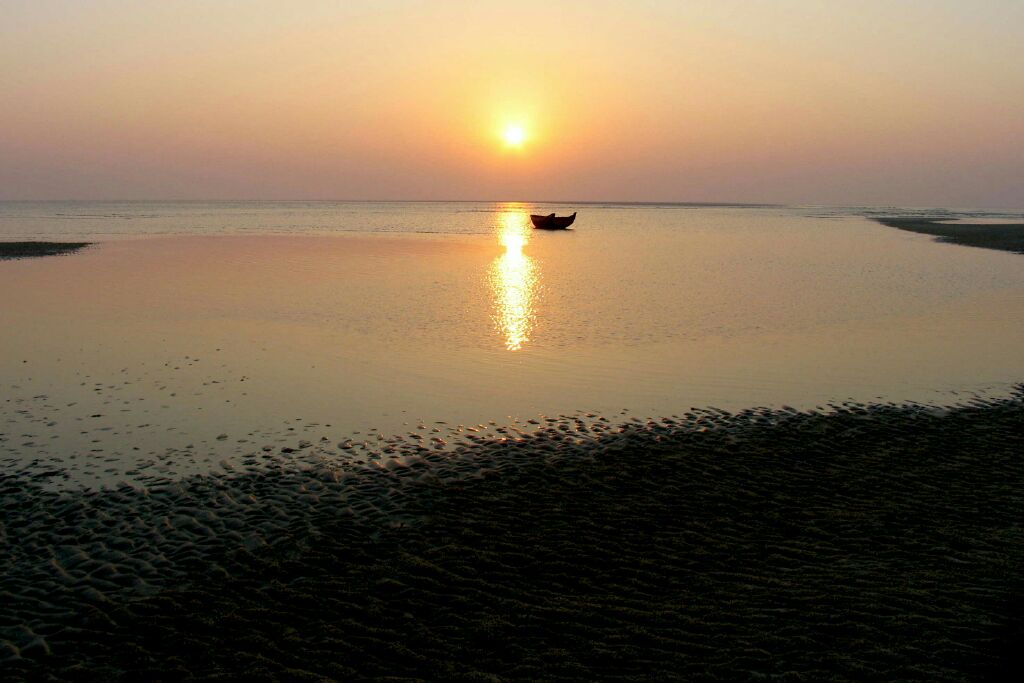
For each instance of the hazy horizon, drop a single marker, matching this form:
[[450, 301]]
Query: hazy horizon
[[790, 102], [580, 202]]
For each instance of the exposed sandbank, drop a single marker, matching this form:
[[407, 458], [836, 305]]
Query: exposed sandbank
[[17, 250], [1005, 237], [879, 542]]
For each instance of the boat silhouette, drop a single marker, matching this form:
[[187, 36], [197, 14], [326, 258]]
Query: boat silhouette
[[552, 222]]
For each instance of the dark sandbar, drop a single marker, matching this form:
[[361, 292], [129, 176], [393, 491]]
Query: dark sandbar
[[13, 250], [870, 543], [1005, 237]]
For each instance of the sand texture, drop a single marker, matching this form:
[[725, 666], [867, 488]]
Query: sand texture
[[1005, 237], [13, 250], [865, 543]]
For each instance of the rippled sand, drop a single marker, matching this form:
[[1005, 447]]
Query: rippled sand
[[868, 541]]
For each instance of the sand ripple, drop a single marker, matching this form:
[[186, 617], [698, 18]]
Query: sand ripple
[[865, 542]]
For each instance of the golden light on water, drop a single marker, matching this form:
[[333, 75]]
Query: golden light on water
[[513, 280]]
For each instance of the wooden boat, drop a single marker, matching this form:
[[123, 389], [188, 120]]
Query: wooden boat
[[552, 222]]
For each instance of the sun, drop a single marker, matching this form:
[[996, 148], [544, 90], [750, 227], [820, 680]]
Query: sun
[[514, 135]]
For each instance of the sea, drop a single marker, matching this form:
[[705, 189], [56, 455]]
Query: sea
[[190, 335]]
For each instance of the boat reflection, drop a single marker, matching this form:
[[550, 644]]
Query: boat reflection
[[513, 279]]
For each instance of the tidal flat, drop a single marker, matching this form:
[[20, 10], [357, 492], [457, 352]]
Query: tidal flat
[[420, 440], [17, 250], [1003, 235], [866, 542]]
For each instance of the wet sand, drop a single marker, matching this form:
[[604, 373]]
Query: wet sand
[[861, 542], [1005, 237], [13, 250]]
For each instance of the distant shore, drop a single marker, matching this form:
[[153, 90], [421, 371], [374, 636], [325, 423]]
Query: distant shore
[[870, 542], [1005, 237], [18, 250]]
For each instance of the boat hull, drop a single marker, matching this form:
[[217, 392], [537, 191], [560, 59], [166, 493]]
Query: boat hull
[[552, 222]]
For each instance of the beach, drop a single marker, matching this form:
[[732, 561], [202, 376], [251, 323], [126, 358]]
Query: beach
[[14, 250], [468, 452], [867, 542], [1003, 235]]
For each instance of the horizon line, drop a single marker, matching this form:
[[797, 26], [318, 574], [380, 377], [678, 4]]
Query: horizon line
[[709, 204]]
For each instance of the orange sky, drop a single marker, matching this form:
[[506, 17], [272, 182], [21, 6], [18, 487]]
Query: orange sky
[[799, 101]]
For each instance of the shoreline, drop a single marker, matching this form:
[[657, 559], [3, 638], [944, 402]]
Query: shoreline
[[1003, 237], [21, 250], [871, 541]]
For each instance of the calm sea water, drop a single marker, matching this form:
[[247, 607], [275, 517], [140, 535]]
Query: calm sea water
[[212, 328]]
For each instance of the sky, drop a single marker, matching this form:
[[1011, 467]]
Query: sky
[[833, 102]]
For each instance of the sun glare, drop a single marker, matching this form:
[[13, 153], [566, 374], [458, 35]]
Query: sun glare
[[514, 135]]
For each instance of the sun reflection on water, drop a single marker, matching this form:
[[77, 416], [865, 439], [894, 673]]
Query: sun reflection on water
[[513, 280]]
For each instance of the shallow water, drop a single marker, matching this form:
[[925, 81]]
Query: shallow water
[[235, 325]]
